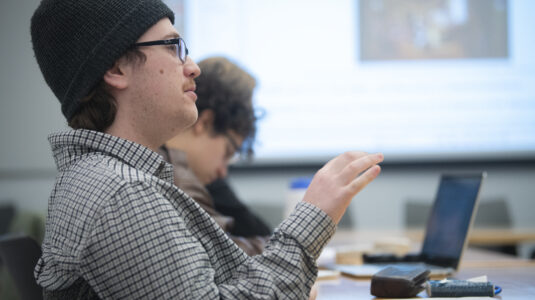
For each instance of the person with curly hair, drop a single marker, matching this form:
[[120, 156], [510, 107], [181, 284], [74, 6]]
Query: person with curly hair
[[200, 155]]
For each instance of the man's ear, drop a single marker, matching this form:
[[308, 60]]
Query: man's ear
[[205, 122], [117, 76]]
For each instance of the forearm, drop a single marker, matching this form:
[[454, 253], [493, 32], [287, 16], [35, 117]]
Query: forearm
[[287, 267], [178, 258]]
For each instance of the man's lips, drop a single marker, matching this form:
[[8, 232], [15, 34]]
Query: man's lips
[[191, 91], [190, 87]]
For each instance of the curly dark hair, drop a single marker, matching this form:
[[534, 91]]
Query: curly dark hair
[[227, 90]]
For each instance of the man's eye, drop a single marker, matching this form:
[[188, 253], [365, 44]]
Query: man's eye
[[172, 48]]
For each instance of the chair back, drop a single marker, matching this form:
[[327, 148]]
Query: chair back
[[7, 213], [19, 254]]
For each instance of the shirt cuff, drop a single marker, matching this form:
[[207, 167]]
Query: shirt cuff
[[310, 226]]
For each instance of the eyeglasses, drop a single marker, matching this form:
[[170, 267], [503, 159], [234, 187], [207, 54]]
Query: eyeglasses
[[178, 44], [233, 151]]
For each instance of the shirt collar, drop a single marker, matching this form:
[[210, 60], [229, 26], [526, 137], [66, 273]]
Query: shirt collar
[[70, 146]]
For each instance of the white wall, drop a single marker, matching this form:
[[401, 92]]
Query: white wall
[[380, 205], [29, 110]]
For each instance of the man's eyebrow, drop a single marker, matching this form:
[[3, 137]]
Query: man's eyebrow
[[173, 35]]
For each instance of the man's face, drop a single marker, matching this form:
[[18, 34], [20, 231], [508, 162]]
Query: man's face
[[162, 96], [213, 154]]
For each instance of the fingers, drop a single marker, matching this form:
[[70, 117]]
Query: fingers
[[362, 181], [341, 161], [359, 165], [334, 185]]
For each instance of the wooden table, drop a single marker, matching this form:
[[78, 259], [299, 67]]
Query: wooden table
[[490, 237], [517, 282], [515, 276]]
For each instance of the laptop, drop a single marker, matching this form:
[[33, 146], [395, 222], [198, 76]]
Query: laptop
[[446, 234]]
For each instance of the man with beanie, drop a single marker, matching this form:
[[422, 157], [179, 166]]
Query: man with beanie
[[117, 226]]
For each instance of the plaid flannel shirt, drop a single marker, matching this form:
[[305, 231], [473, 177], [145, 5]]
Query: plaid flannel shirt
[[119, 226]]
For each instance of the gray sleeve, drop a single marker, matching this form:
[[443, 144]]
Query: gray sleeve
[[287, 268], [141, 247]]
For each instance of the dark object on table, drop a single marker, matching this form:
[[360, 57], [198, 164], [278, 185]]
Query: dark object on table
[[399, 282], [460, 288]]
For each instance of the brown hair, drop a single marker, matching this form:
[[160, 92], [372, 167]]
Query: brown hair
[[226, 89], [97, 109]]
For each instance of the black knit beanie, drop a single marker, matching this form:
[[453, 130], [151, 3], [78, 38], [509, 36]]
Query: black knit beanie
[[77, 41]]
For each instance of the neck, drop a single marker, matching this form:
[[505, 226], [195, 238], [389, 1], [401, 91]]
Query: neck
[[132, 123], [133, 130], [181, 141], [132, 135]]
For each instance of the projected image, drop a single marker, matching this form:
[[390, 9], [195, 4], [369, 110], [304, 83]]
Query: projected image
[[432, 29], [418, 80]]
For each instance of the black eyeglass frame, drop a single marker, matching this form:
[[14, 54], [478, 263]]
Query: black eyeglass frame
[[237, 149], [176, 41], [232, 142]]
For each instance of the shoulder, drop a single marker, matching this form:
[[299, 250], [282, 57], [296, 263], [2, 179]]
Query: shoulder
[[96, 181], [94, 174], [98, 188]]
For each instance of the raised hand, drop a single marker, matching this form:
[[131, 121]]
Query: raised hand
[[334, 185]]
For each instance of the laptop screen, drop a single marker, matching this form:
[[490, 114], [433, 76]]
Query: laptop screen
[[450, 219]]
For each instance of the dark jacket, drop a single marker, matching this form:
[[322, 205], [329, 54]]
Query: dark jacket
[[186, 180]]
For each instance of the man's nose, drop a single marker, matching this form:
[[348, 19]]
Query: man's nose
[[191, 69]]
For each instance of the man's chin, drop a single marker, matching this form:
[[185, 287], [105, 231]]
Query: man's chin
[[191, 118]]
